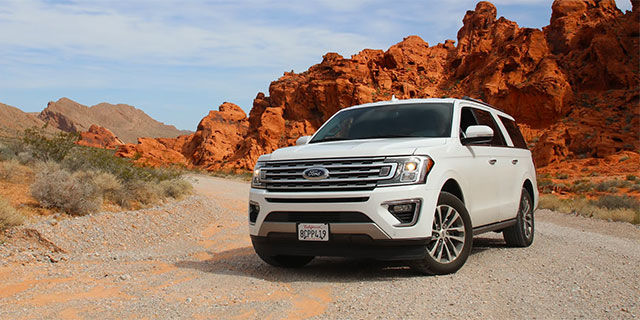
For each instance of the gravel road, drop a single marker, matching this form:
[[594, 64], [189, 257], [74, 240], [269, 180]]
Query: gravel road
[[193, 259]]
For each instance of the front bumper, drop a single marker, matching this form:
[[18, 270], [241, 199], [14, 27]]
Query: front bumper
[[341, 245], [380, 225]]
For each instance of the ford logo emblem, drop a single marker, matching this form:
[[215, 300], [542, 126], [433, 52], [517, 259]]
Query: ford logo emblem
[[316, 173]]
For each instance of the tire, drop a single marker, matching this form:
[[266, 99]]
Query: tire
[[454, 240], [521, 234], [284, 261]]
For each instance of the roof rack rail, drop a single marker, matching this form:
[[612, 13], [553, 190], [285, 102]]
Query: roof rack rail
[[481, 102]]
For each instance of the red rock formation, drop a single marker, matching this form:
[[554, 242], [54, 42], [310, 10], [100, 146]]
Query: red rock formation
[[573, 86], [153, 152], [589, 52], [216, 138], [99, 137]]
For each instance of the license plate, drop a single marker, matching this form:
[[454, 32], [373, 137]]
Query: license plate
[[313, 232]]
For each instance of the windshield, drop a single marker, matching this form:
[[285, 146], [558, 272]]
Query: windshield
[[432, 120]]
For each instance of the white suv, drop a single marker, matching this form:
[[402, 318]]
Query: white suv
[[410, 180]]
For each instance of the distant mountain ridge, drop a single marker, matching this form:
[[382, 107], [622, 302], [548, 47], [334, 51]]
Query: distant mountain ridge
[[126, 122], [14, 120]]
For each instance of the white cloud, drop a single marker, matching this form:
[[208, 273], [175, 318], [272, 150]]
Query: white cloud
[[224, 39]]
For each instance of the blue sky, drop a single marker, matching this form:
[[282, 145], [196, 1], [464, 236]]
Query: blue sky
[[176, 60]]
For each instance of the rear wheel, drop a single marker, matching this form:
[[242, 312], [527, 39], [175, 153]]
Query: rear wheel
[[521, 233], [451, 238]]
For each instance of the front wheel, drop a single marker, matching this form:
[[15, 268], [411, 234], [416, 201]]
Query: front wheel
[[451, 238], [521, 233]]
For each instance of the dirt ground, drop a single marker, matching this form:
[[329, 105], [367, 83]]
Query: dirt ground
[[193, 259]]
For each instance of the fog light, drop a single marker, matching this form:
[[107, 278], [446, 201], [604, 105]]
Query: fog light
[[406, 211], [402, 208], [254, 210]]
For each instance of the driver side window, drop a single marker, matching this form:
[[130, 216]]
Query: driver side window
[[472, 116]]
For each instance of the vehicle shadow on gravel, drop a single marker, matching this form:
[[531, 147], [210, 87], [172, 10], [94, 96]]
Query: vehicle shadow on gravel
[[244, 262]]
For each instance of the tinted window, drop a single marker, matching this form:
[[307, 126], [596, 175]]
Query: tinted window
[[472, 116], [514, 133], [391, 121]]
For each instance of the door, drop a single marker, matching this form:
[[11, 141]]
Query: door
[[485, 168]]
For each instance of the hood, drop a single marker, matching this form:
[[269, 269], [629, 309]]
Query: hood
[[354, 148]]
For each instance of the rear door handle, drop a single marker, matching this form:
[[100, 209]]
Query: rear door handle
[[514, 161], [493, 161]]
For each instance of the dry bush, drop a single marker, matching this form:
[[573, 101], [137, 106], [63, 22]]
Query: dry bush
[[596, 209], [74, 193], [176, 188], [12, 171], [9, 217], [142, 192], [108, 185]]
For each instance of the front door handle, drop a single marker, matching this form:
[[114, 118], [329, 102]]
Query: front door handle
[[493, 161], [514, 161]]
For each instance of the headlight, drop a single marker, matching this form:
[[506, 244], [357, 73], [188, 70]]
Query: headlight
[[409, 170], [258, 176]]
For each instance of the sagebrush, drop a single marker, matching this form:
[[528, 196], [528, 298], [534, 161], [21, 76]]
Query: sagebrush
[[9, 216]]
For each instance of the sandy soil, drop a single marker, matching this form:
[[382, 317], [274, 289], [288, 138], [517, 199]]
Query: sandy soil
[[193, 259]]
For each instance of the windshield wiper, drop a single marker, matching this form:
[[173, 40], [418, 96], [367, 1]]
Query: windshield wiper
[[330, 139], [391, 136]]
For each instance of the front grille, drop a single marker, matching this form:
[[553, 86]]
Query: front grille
[[317, 200], [317, 217], [348, 174]]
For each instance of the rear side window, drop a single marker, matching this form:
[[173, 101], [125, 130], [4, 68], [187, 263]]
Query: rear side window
[[473, 116], [514, 133]]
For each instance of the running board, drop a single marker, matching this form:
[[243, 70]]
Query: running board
[[494, 226]]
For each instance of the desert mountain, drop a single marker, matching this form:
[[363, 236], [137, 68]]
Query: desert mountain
[[573, 86], [125, 121], [14, 120]]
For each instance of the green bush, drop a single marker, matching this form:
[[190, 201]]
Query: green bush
[[48, 147], [9, 217], [95, 159], [75, 193]]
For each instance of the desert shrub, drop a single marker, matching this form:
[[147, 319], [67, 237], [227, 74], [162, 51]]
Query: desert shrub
[[143, 192], [176, 188], [562, 176], [596, 209], [607, 186], [107, 184], [95, 159], [545, 185], [14, 172], [582, 185], [75, 193], [48, 147], [617, 202], [631, 177], [9, 216]]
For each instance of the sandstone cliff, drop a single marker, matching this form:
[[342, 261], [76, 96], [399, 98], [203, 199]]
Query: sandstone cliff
[[99, 137], [215, 139]]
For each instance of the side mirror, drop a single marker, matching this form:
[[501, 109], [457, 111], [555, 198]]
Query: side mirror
[[477, 135], [303, 140]]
